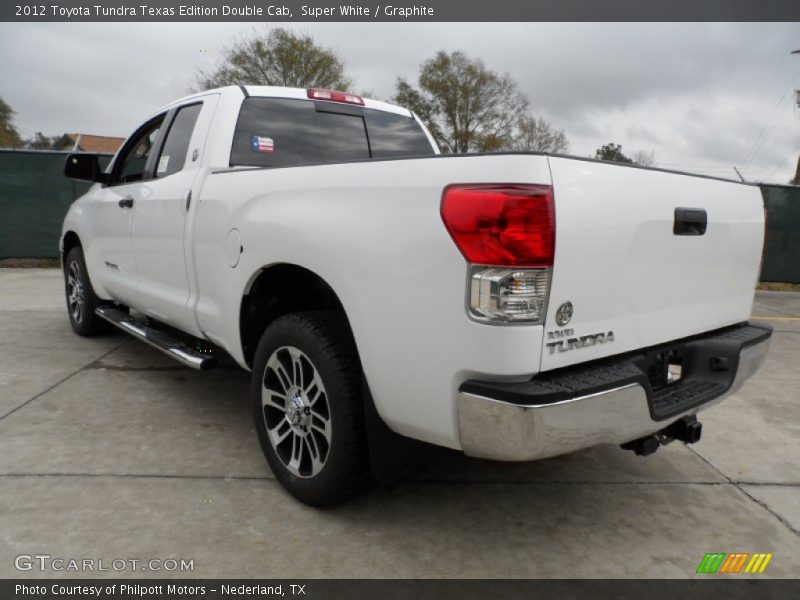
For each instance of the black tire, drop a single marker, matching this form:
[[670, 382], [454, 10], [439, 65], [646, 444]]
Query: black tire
[[83, 318], [321, 339]]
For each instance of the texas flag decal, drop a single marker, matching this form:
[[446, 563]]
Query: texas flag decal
[[262, 144]]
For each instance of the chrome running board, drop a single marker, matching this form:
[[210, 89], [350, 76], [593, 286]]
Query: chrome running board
[[177, 349]]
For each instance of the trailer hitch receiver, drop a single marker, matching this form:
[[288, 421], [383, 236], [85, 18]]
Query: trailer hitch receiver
[[687, 430]]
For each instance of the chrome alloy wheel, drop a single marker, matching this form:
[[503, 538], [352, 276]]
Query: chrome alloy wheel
[[75, 292], [296, 411]]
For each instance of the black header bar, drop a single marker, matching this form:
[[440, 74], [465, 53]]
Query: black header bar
[[399, 10], [712, 587]]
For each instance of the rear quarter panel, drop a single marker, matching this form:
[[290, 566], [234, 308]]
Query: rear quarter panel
[[373, 232]]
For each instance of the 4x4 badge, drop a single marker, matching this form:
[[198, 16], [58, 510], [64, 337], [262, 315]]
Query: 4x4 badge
[[564, 313]]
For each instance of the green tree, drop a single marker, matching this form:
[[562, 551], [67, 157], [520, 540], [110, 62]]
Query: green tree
[[537, 135], [9, 136], [277, 57], [40, 142], [612, 152], [62, 142], [466, 106]]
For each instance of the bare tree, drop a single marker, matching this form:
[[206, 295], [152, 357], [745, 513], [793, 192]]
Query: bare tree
[[537, 135], [645, 158], [277, 57]]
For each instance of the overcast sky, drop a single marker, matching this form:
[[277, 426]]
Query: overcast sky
[[703, 97]]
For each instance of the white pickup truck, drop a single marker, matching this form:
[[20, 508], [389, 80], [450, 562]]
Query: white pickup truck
[[512, 306]]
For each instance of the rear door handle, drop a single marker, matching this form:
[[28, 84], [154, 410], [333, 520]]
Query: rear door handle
[[690, 221], [126, 202]]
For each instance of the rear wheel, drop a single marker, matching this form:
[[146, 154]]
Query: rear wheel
[[309, 409], [81, 299]]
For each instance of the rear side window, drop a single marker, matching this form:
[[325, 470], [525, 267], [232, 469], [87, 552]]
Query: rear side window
[[176, 146], [284, 132]]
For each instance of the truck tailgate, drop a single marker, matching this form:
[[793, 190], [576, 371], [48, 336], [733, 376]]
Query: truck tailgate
[[630, 275]]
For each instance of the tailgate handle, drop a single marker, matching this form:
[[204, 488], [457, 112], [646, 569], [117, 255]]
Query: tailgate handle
[[690, 221]]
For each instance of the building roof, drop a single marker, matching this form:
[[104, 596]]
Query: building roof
[[95, 143]]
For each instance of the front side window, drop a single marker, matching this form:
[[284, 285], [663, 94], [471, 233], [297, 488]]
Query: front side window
[[131, 164], [176, 146]]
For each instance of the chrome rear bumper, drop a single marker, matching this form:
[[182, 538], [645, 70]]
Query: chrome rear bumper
[[517, 431]]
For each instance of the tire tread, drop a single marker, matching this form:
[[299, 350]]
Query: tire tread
[[332, 340]]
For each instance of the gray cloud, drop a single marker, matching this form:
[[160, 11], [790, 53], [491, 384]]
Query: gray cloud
[[699, 95]]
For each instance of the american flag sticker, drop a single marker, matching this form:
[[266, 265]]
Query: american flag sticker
[[262, 144]]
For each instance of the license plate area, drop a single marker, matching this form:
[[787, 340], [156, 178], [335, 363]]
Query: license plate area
[[665, 367], [674, 372]]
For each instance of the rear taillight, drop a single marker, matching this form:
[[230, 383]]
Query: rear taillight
[[508, 295], [334, 96], [507, 232], [504, 225]]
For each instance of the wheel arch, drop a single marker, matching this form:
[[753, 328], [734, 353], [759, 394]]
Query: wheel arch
[[69, 241], [277, 290]]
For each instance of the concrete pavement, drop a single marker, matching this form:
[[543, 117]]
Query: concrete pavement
[[110, 450]]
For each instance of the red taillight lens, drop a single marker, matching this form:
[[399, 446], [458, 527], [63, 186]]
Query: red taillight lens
[[499, 224], [334, 96]]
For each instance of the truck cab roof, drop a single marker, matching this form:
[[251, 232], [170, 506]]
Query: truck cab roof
[[270, 91]]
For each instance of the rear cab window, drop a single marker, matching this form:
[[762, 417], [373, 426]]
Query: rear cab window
[[286, 132], [392, 135]]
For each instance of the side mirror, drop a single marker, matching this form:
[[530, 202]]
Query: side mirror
[[84, 166]]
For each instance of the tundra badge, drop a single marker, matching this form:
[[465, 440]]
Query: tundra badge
[[565, 339]]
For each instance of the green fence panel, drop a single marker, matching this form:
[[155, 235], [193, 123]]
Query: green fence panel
[[782, 248], [34, 197]]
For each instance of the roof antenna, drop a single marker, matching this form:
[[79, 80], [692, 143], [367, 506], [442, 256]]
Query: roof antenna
[[739, 174]]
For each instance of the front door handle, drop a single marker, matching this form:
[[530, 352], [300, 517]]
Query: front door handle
[[690, 221], [126, 202]]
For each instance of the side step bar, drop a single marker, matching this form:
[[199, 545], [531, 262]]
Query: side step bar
[[169, 345]]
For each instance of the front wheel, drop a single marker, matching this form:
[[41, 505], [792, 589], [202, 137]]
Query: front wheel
[[81, 299], [309, 413]]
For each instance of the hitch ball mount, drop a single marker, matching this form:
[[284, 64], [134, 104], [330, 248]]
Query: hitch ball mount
[[687, 430]]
